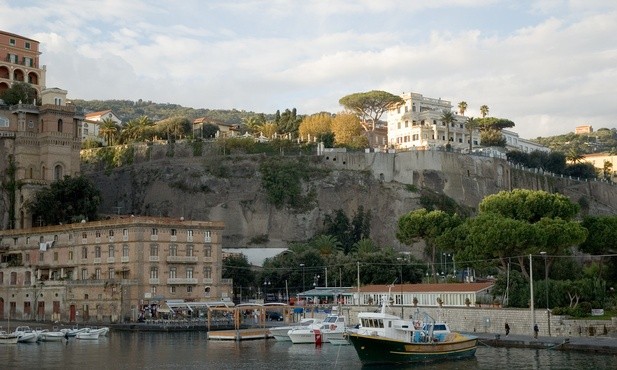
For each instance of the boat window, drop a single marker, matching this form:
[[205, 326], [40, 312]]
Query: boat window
[[440, 327], [381, 323]]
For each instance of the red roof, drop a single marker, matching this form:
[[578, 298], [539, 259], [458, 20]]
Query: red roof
[[429, 288], [96, 114]]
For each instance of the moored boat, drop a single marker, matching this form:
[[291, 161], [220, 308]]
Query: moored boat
[[280, 333], [88, 334], [26, 335], [8, 338], [52, 336], [310, 333], [384, 338]]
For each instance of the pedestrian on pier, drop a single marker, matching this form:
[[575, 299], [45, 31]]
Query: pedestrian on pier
[[535, 331], [507, 329]]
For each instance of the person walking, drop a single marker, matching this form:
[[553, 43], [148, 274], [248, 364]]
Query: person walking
[[535, 331], [507, 329]]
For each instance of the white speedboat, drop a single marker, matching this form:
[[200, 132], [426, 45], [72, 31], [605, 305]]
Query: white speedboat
[[71, 332], [310, 333], [88, 334], [26, 335], [280, 333], [52, 336], [102, 331], [8, 338], [333, 329]]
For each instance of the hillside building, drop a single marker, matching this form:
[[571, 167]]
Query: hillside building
[[109, 270], [417, 124], [514, 142], [20, 62], [92, 122], [584, 129]]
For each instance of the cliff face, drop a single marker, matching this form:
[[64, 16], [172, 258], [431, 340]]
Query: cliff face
[[229, 189]]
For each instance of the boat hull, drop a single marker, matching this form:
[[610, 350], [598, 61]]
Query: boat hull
[[379, 350]]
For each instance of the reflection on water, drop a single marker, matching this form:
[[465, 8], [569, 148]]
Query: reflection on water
[[194, 351]]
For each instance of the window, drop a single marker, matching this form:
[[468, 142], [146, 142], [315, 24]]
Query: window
[[154, 272], [172, 272], [84, 235], [97, 274], [41, 257], [84, 252], [208, 272], [154, 250], [12, 42], [55, 256], [84, 274], [27, 45], [97, 234], [125, 251], [189, 273], [28, 62], [58, 173], [174, 232], [189, 289], [97, 252], [112, 251], [111, 233], [28, 257], [153, 289], [110, 273], [172, 289], [155, 231], [13, 58], [189, 234], [125, 232], [207, 236], [207, 251], [70, 255], [189, 250], [173, 250]]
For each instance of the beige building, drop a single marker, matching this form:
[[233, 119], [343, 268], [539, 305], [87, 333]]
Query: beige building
[[604, 163], [92, 121], [417, 124], [109, 270]]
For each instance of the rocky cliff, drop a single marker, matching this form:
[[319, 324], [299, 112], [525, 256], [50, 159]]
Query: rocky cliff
[[229, 188]]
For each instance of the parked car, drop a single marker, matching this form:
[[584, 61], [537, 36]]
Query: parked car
[[274, 316]]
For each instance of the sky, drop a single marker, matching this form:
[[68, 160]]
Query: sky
[[547, 65]]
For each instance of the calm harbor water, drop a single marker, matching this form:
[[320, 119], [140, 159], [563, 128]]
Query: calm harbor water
[[193, 351]]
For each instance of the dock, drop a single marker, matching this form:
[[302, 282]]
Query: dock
[[239, 335]]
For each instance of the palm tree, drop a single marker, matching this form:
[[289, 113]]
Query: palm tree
[[484, 110], [462, 107], [574, 155], [471, 124], [364, 246], [447, 118], [108, 130], [327, 244]]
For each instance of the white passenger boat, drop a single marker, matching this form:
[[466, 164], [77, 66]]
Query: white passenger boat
[[8, 338], [26, 335]]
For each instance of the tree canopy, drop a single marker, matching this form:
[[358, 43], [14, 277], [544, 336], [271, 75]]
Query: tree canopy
[[370, 106], [19, 92], [69, 200]]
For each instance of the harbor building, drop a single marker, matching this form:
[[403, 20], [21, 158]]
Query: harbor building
[[111, 270]]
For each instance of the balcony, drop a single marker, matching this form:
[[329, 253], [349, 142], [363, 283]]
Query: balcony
[[111, 259], [208, 280], [181, 259], [182, 281], [124, 259], [207, 259], [153, 281], [97, 260], [153, 259]]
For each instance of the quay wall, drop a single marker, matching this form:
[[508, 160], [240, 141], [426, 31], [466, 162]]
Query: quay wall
[[492, 320]]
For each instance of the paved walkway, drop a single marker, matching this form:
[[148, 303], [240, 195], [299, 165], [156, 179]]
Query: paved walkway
[[597, 344]]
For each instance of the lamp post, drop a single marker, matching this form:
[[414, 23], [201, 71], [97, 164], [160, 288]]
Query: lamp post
[[302, 265], [266, 285], [548, 312], [316, 281], [401, 282]]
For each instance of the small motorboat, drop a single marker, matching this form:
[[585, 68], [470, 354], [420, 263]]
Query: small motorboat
[[8, 338], [26, 335], [52, 336], [88, 334]]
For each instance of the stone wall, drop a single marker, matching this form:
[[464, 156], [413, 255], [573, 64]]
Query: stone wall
[[492, 320]]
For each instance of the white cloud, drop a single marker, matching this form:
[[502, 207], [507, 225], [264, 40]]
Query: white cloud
[[547, 65]]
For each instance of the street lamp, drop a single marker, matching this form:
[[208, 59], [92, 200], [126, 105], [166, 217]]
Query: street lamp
[[266, 284], [302, 265], [316, 281], [548, 313]]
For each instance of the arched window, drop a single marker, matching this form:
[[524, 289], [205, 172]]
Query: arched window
[[59, 125], [58, 173]]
